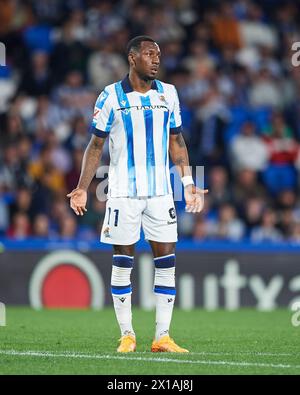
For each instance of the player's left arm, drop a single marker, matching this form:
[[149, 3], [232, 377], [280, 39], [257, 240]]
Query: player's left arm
[[194, 197]]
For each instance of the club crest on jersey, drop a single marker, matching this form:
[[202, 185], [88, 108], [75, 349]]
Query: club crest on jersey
[[163, 99], [123, 102]]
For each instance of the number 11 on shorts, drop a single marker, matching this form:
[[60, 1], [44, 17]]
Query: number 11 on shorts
[[116, 211]]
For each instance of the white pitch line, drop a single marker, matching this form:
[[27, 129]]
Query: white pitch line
[[254, 353], [43, 354], [238, 353]]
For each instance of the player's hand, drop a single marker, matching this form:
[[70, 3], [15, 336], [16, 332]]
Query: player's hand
[[194, 198], [78, 199]]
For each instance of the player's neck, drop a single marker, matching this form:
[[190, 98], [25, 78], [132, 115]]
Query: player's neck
[[138, 84]]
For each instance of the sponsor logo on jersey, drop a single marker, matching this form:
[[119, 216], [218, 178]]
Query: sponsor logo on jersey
[[126, 110]]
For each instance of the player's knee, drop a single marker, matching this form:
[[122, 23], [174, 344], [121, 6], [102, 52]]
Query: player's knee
[[124, 250], [162, 249]]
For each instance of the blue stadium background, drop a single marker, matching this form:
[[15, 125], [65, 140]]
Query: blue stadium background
[[231, 64], [240, 98]]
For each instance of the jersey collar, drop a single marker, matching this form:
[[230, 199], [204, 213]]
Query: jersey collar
[[127, 88]]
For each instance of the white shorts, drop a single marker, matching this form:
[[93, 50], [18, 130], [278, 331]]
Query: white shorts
[[124, 217]]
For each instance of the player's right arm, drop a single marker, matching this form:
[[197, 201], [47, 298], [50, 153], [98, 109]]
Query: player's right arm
[[90, 163], [100, 128]]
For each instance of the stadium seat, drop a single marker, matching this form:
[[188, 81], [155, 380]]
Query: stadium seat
[[261, 117], [38, 38], [279, 177], [238, 116]]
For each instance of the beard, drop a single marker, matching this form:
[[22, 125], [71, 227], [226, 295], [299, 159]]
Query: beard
[[147, 77]]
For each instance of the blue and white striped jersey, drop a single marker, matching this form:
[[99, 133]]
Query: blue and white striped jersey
[[138, 126]]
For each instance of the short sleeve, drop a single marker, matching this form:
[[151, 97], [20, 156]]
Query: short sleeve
[[175, 119], [103, 115]]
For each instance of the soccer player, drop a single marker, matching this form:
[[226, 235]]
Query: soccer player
[[140, 116]]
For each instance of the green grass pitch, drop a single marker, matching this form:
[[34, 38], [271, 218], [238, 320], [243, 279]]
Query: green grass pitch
[[85, 341]]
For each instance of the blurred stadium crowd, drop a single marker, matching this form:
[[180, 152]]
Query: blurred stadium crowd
[[240, 97]]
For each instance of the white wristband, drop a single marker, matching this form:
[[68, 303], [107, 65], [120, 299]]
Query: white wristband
[[187, 180]]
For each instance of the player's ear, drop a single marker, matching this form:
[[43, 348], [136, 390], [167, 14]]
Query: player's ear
[[131, 59]]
